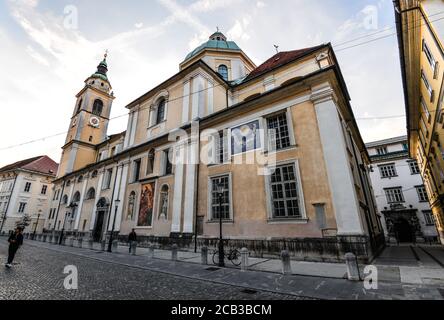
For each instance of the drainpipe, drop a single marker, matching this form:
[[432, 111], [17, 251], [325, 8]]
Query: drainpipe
[[9, 201]]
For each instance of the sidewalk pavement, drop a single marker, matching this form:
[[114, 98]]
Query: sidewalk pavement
[[309, 279]]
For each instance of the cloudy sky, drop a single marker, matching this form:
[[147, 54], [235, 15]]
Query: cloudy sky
[[48, 48]]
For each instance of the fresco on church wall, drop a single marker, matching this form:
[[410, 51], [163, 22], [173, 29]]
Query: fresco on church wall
[[145, 218]]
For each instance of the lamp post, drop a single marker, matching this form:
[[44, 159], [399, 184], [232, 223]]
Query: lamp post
[[36, 224], [117, 201], [220, 193]]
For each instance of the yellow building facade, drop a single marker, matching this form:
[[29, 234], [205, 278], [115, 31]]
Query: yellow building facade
[[420, 36], [272, 149]]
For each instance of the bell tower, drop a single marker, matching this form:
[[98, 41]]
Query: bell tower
[[89, 121]]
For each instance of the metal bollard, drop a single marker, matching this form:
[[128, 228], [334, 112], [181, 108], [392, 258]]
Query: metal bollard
[[133, 247], [115, 245], [150, 250], [80, 242], [90, 244], [204, 255], [244, 259], [352, 267], [103, 245], [286, 263], [174, 252]]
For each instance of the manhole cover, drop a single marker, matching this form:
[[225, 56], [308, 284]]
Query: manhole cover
[[212, 269], [249, 291]]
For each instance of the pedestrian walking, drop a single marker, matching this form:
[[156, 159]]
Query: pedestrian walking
[[15, 241], [132, 237]]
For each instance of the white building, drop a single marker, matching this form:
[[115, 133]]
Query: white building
[[400, 193], [25, 188]]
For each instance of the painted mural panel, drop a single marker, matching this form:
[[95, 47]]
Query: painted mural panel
[[145, 218]]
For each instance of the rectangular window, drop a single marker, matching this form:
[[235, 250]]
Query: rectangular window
[[425, 110], [429, 55], [279, 136], [245, 138], [422, 193], [107, 180], [27, 186], [381, 150], [44, 189], [284, 192], [136, 170], [220, 206], [167, 162], [22, 207], [428, 217], [394, 195], [414, 168], [427, 84], [221, 148], [388, 170]]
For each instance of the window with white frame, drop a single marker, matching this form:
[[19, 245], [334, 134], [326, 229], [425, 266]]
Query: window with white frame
[[425, 110], [387, 170], [220, 147], [427, 84], [428, 53], [278, 133], [381, 151], [285, 198], [167, 163], [428, 217], [220, 206], [27, 186], [394, 195], [44, 189], [136, 170], [414, 168], [107, 180], [22, 207], [422, 193]]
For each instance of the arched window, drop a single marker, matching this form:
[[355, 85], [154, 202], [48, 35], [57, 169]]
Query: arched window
[[91, 194], [79, 106], [80, 179], [150, 162], [65, 199], [68, 183], [94, 174], [163, 211], [223, 71], [97, 107], [160, 115], [131, 205], [76, 197]]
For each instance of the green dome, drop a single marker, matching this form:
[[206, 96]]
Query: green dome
[[218, 42]]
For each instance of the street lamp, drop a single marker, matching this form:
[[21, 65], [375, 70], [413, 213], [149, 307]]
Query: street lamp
[[36, 224], [220, 189], [117, 201]]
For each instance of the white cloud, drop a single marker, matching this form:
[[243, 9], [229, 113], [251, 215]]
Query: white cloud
[[238, 31], [260, 4], [138, 25]]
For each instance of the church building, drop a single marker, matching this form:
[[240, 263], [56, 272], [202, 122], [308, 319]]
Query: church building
[[273, 151]]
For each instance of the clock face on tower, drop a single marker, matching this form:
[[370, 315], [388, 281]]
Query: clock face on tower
[[94, 122]]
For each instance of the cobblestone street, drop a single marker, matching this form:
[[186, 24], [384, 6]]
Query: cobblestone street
[[38, 274]]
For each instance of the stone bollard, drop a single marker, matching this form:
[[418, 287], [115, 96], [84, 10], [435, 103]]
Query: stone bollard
[[49, 239], [90, 244], [103, 245], [55, 239], [71, 241], [174, 252], [80, 242], [352, 267], [204, 255], [63, 241], [150, 250], [44, 238], [133, 247], [115, 245], [286, 262], [244, 259]]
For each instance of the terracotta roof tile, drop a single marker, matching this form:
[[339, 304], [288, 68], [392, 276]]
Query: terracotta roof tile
[[280, 59], [42, 164]]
